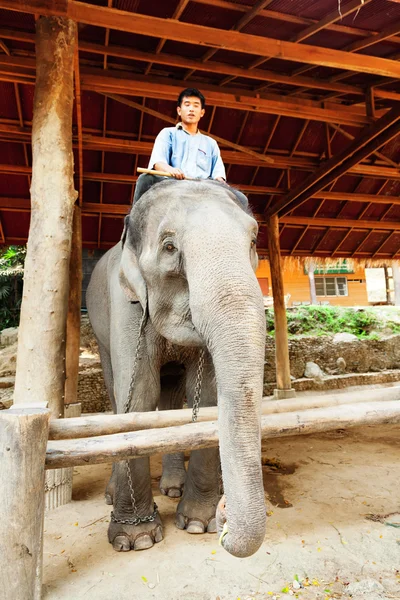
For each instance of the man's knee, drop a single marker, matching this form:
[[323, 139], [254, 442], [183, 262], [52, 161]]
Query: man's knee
[[144, 183]]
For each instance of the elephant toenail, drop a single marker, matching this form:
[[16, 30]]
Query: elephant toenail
[[195, 526], [121, 544], [108, 499], [212, 526], [143, 542], [174, 492], [180, 521], [158, 534]]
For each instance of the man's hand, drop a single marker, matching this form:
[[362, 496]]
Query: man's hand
[[221, 179], [177, 173]]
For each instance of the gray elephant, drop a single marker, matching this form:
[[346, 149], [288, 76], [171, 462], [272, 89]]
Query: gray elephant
[[182, 281]]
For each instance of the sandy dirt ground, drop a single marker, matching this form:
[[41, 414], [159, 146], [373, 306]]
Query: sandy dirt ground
[[320, 491]]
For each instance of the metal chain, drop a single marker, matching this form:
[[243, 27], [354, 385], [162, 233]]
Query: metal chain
[[136, 519], [197, 387]]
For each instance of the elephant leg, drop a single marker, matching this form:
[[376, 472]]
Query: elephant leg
[[109, 383], [173, 384], [196, 510], [135, 500]]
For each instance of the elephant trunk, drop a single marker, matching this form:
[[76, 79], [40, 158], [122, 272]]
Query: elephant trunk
[[227, 310]]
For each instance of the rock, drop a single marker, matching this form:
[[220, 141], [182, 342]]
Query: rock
[[366, 589], [9, 336], [313, 371], [7, 382], [344, 338], [341, 364]]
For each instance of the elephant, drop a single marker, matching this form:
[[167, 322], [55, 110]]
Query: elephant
[[182, 281]]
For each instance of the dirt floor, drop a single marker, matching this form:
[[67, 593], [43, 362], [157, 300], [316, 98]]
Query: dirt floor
[[320, 491]]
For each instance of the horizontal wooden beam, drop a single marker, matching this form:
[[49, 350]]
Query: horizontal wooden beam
[[209, 66], [193, 436], [205, 36], [340, 223], [370, 139], [115, 82]]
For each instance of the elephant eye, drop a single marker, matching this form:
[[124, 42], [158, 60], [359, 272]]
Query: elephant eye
[[169, 247], [253, 243]]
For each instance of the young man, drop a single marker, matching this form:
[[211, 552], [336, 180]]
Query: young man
[[183, 150]]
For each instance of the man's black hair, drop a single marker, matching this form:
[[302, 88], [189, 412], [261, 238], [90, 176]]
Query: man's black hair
[[188, 93]]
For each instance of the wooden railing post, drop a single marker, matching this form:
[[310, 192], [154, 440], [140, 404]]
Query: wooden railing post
[[283, 380], [23, 439]]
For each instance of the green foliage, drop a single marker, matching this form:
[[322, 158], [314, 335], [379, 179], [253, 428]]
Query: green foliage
[[328, 320], [12, 260]]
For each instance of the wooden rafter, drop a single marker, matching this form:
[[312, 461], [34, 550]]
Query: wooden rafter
[[350, 136], [177, 14], [241, 24], [206, 36], [377, 251], [114, 81], [340, 224], [311, 30], [209, 67], [2, 236], [371, 138], [164, 117]]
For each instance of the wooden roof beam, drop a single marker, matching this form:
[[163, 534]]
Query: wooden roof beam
[[205, 36], [341, 224], [372, 137], [115, 82], [241, 24], [210, 67]]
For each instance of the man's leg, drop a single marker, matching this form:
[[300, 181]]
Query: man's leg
[[144, 183]]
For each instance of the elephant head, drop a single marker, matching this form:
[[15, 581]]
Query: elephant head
[[189, 257]]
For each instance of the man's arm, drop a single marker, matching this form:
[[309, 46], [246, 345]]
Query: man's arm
[[160, 156], [218, 168]]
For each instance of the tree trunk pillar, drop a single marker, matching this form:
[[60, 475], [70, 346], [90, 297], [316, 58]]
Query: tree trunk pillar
[[283, 380], [23, 440], [396, 282], [40, 375], [311, 280]]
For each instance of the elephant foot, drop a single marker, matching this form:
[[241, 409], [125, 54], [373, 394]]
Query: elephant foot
[[196, 517], [173, 475], [195, 525], [135, 537]]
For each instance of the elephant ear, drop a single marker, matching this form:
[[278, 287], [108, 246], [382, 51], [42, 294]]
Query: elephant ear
[[130, 277]]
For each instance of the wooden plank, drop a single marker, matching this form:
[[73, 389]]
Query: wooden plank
[[122, 446], [94, 425], [372, 138], [341, 223], [206, 36], [209, 67]]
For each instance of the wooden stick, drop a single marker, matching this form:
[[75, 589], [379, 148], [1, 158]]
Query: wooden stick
[[161, 173], [96, 425], [23, 437], [123, 446]]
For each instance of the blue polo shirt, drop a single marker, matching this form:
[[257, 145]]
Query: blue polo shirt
[[198, 156]]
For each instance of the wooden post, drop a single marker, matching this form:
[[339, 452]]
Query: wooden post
[[41, 349], [387, 284], [74, 311], [396, 282], [311, 280], [284, 384], [23, 439]]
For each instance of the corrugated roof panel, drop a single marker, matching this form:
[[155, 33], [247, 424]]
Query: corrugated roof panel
[[14, 186], [117, 193], [15, 224]]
